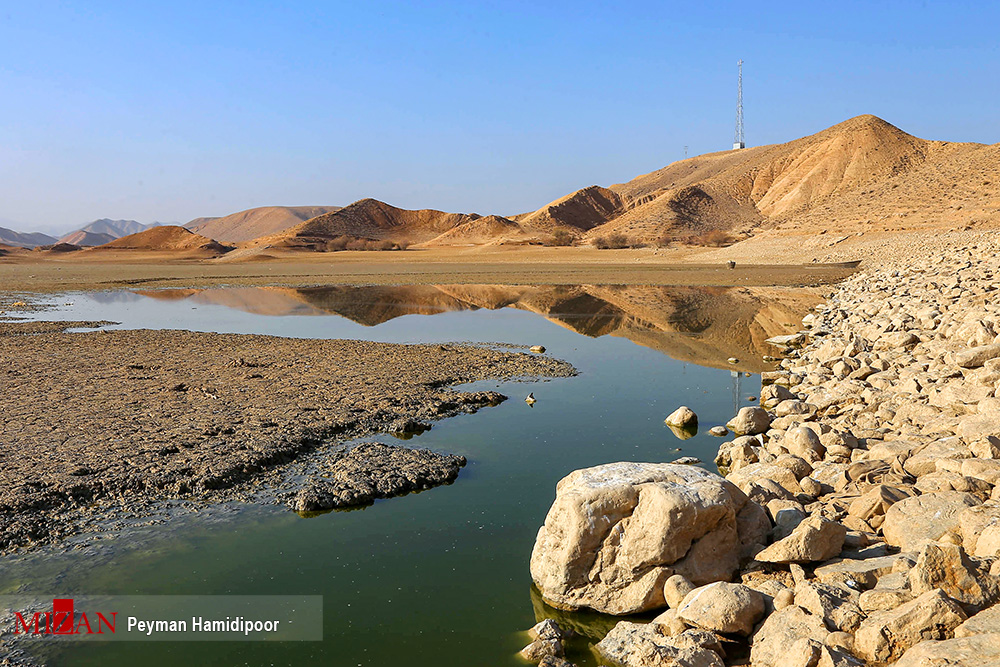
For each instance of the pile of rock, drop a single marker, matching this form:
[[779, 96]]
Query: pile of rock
[[859, 518]]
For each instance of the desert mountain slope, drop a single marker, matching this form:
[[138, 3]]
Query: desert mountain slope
[[255, 222], [369, 219], [168, 238], [742, 190], [24, 239]]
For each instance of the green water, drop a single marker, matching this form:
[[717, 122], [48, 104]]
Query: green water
[[436, 578]]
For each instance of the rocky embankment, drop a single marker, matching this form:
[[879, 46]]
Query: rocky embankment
[[858, 522], [127, 417]]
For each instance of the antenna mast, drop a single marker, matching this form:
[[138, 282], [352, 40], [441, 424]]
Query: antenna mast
[[738, 141]]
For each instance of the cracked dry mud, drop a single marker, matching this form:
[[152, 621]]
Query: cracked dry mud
[[135, 415]]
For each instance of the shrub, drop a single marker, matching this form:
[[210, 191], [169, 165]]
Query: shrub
[[561, 237], [715, 238]]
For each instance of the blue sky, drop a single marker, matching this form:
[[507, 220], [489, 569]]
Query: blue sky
[[169, 111]]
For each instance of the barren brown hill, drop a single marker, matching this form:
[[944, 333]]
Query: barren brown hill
[[742, 190], [862, 173], [369, 219], [83, 238], [255, 222], [481, 230], [579, 211], [168, 238]]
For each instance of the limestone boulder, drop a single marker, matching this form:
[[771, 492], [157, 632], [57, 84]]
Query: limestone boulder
[[814, 539], [984, 622], [615, 533], [644, 645], [977, 651], [723, 607], [682, 417], [750, 421], [780, 631], [948, 568], [927, 517], [676, 589], [748, 475], [885, 636], [804, 443], [836, 605], [974, 521]]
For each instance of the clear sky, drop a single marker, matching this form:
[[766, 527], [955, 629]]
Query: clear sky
[[172, 110]]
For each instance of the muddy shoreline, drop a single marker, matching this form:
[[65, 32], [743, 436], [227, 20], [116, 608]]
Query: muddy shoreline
[[133, 416]]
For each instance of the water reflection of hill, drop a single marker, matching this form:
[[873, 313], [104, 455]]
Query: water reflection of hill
[[703, 325]]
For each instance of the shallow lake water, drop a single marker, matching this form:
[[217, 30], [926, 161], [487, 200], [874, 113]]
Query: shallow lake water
[[440, 577]]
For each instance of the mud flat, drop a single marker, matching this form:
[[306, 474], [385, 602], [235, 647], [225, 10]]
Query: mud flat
[[134, 415], [35, 272], [861, 500]]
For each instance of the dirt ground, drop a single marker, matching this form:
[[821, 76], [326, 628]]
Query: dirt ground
[[35, 272], [130, 415]]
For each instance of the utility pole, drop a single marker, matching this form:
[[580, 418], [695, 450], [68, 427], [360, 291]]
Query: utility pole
[[738, 140]]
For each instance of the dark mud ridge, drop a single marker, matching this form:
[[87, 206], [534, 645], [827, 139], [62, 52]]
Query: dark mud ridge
[[373, 470], [130, 416]]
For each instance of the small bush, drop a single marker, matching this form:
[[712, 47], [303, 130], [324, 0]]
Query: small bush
[[614, 241], [561, 237], [353, 243], [715, 238]]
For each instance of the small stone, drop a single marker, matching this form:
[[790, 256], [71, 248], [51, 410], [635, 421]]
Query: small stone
[[675, 589], [718, 431], [538, 349], [815, 539], [749, 421], [723, 607], [682, 417]]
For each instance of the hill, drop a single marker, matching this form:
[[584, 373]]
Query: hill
[[581, 210], [478, 231], [24, 239], [256, 222], [85, 238], [168, 238], [369, 219], [859, 174]]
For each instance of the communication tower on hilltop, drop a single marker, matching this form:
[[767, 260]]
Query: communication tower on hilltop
[[738, 141]]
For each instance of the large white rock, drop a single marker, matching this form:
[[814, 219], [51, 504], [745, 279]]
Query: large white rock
[[923, 518], [616, 532]]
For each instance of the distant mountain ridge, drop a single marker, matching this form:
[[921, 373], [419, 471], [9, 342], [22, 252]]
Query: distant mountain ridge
[[256, 222], [24, 239]]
